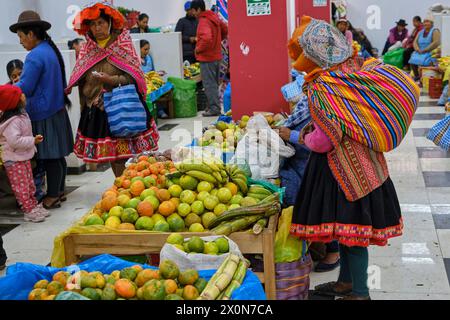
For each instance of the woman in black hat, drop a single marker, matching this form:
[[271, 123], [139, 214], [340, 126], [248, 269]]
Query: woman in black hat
[[396, 34], [43, 81]]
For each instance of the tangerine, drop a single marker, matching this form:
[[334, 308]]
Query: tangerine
[[171, 286], [109, 193], [163, 194], [137, 187], [145, 208], [175, 201], [142, 165], [125, 288], [166, 208], [143, 158], [146, 172], [126, 184], [109, 202], [154, 169]]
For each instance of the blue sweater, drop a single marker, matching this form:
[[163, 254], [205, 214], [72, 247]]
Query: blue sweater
[[42, 82]]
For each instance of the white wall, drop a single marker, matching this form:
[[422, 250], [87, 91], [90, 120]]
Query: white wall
[[363, 14], [446, 35]]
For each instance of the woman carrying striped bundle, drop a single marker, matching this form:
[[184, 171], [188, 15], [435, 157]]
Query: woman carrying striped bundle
[[359, 110]]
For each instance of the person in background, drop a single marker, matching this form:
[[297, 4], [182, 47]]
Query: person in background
[[14, 70], [210, 33], [3, 256], [18, 148], [75, 44], [188, 28], [396, 34], [343, 26], [43, 81], [366, 46], [409, 43], [146, 59], [142, 26], [428, 39]]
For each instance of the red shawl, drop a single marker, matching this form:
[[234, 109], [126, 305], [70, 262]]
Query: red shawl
[[121, 53]]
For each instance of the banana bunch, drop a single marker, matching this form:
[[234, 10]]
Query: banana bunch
[[153, 81], [238, 177], [258, 192], [205, 169]]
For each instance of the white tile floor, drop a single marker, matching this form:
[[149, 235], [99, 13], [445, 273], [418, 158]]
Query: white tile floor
[[411, 267]]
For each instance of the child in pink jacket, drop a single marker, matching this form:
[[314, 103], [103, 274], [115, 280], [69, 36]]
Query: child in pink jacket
[[18, 148]]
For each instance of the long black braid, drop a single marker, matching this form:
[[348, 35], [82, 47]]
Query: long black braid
[[44, 36]]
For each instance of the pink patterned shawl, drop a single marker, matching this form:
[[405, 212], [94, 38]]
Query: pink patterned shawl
[[121, 53]]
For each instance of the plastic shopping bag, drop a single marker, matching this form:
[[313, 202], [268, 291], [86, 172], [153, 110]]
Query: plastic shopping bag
[[394, 58], [185, 97], [198, 261], [287, 247]]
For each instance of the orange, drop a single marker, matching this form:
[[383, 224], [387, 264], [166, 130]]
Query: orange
[[163, 171], [125, 192], [146, 172], [190, 293], [156, 189], [109, 202], [232, 187], [126, 184], [142, 165], [171, 170], [145, 276], [137, 187], [175, 201], [109, 193], [140, 174], [126, 226], [143, 158], [171, 286], [154, 169], [98, 205], [132, 166], [163, 194], [154, 176], [166, 208], [98, 212], [125, 288], [145, 208], [132, 173], [137, 267]]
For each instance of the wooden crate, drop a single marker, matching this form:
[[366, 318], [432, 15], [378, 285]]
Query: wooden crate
[[78, 245]]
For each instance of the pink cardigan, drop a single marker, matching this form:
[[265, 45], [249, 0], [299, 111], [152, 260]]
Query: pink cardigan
[[318, 141], [16, 139]]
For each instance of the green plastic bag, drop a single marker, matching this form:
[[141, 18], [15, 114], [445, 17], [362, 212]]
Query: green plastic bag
[[394, 58], [185, 97], [287, 247], [270, 186]]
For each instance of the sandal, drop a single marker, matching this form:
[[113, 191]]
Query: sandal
[[56, 204], [329, 289], [354, 297]]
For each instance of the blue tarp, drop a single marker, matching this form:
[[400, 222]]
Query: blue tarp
[[155, 95], [21, 277]]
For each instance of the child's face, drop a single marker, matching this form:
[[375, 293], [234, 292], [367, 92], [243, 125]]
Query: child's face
[[15, 75]]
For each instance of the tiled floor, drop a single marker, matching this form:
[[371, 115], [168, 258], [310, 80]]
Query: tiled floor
[[414, 266]]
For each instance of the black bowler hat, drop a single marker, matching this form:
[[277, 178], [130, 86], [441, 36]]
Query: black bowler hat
[[402, 23]]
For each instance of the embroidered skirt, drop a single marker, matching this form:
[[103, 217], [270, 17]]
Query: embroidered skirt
[[95, 144], [323, 214]]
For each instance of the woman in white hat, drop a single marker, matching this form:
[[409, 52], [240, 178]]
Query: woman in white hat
[[427, 40]]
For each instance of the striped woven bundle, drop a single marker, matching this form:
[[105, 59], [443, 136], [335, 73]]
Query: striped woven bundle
[[373, 106]]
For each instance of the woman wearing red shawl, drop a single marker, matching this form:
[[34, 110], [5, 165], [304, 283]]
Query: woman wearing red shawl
[[107, 60], [359, 110]]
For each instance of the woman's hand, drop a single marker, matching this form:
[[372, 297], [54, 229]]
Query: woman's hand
[[38, 139], [103, 77], [284, 133]]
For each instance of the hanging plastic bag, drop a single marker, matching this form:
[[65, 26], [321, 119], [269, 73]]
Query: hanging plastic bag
[[185, 97], [287, 247], [198, 261]]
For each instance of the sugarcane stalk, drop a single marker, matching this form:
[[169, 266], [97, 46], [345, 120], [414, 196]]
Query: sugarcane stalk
[[273, 211], [241, 224], [238, 278], [259, 226], [222, 229]]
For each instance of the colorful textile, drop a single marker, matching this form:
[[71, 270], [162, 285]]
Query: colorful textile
[[121, 53], [20, 177], [324, 44], [440, 134], [110, 149], [373, 106]]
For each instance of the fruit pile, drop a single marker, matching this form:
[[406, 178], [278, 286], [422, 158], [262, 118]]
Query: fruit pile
[[222, 135], [192, 70], [133, 283], [273, 120], [154, 81], [155, 196], [198, 245]]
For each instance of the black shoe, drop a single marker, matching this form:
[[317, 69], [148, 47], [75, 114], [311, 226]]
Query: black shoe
[[210, 114], [325, 267]]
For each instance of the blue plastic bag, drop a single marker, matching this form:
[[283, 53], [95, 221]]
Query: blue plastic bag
[[21, 277], [227, 99]]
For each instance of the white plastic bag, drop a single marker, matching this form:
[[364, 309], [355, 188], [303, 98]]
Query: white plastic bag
[[198, 261]]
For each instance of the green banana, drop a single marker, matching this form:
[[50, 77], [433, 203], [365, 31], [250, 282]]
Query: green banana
[[196, 167], [256, 195], [213, 166], [241, 177], [218, 176], [202, 176], [223, 173], [241, 184], [260, 190]]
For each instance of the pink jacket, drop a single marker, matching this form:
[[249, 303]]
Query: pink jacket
[[16, 139], [318, 141]]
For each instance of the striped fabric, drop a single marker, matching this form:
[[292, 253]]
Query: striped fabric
[[126, 114], [373, 106], [440, 133]]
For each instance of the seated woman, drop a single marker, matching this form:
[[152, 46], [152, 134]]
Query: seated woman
[[427, 40], [396, 34], [146, 59], [107, 60]]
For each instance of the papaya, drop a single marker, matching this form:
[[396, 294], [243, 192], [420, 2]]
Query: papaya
[[125, 288], [54, 288], [168, 269], [140, 293], [109, 279], [188, 277], [116, 274], [200, 284], [42, 284], [88, 281], [38, 294], [154, 290], [99, 279], [190, 293], [171, 286], [61, 277], [128, 273], [91, 293]]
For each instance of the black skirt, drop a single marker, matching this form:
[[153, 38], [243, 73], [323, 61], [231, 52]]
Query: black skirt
[[323, 214]]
